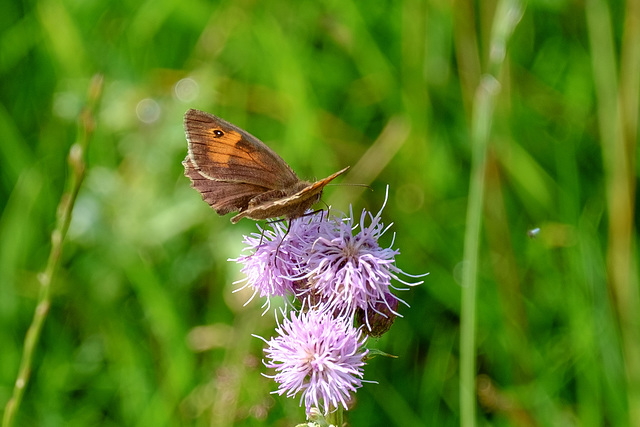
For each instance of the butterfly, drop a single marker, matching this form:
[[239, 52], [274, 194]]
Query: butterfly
[[236, 172]]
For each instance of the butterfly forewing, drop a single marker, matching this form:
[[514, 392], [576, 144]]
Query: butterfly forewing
[[224, 152]]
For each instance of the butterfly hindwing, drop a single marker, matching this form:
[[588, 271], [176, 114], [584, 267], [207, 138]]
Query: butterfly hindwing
[[292, 206], [222, 196]]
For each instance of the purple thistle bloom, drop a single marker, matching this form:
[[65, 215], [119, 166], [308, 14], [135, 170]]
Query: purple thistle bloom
[[274, 263], [267, 269], [350, 272], [320, 356]]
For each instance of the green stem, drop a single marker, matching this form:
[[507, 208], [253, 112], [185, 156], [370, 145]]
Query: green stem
[[508, 14], [65, 208], [336, 418], [617, 122]]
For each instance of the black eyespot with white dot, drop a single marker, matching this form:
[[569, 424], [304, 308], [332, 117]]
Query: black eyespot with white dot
[[218, 133]]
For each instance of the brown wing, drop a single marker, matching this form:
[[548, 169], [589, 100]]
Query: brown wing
[[289, 207], [222, 196], [224, 152]]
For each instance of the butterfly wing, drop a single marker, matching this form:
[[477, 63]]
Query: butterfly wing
[[223, 196], [289, 207], [223, 152]]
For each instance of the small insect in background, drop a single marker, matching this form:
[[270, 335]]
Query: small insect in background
[[533, 233]]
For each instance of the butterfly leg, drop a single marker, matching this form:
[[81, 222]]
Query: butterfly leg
[[284, 237]]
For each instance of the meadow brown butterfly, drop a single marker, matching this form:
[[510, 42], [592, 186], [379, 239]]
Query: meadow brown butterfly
[[235, 171]]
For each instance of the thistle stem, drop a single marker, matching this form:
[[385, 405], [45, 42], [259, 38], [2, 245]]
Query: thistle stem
[[64, 211]]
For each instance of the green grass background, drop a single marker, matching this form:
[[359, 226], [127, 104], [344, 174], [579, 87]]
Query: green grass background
[[144, 329]]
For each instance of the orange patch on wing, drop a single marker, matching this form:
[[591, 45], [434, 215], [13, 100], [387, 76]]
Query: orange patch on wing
[[221, 149]]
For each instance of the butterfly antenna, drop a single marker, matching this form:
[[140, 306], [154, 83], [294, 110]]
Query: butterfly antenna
[[349, 184]]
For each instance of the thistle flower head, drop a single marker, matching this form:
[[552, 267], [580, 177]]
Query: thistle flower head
[[319, 356], [269, 265], [350, 271], [274, 259]]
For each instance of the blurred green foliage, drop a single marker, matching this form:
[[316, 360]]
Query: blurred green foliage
[[144, 329]]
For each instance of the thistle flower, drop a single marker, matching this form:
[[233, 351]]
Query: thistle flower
[[269, 265], [353, 272], [319, 356], [274, 261]]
